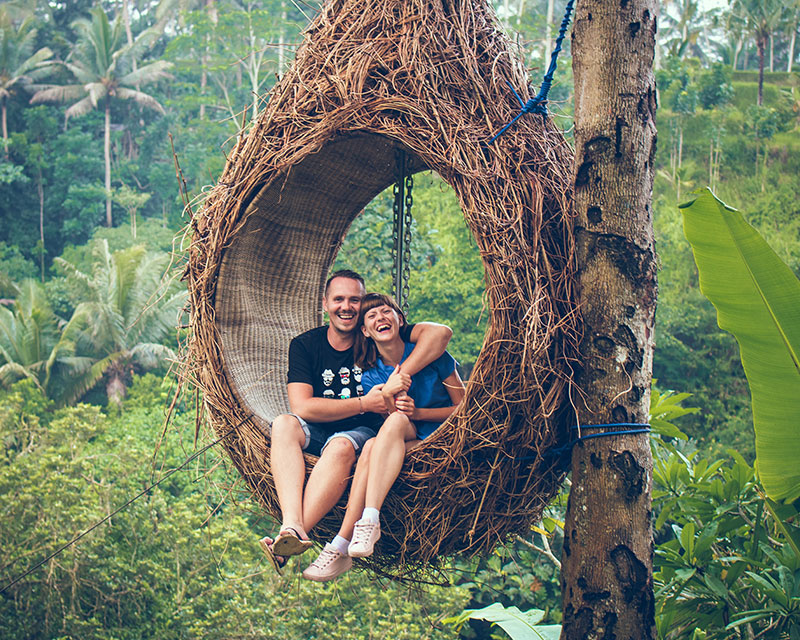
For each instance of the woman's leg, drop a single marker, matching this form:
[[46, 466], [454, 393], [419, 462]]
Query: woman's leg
[[358, 491], [333, 561], [386, 459]]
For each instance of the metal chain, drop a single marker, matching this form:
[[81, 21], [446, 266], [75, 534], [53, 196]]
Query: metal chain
[[398, 212], [401, 232], [407, 244]]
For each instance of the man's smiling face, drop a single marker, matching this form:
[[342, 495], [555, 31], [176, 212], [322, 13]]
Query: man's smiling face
[[342, 303]]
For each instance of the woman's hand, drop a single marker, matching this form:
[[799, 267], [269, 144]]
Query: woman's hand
[[398, 382], [404, 403]]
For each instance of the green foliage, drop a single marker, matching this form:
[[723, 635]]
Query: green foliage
[[722, 563], [177, 563], [715, 86], [519, 625], [758, 300], [15, 266]]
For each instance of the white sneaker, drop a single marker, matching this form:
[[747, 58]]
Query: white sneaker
[[329, 565], [365, 534]]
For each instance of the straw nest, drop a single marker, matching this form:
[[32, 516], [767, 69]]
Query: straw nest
[[429, 76]]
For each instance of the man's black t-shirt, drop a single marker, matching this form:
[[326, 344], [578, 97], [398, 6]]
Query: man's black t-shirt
[[331, 373]]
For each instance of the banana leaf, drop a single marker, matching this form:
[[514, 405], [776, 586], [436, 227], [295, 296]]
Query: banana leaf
[[757, 298]]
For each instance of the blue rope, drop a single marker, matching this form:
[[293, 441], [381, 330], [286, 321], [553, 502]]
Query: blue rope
[[643, 428], [538, 104]]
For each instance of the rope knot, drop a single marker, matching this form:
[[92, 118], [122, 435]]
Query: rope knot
[[538, 104]]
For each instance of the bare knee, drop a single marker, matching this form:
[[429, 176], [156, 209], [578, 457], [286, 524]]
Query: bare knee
[[286, 431], [341, 452], [397, 425]]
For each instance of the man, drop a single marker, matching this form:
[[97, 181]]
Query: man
[[330, 415]]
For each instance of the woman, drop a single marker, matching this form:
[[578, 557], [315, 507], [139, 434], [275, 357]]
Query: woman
[[417, 406]]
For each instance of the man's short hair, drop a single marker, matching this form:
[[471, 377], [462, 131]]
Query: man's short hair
[[343, 273]]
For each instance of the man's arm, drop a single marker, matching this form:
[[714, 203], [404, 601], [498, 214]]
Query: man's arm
[[430, 340], [304, 404]]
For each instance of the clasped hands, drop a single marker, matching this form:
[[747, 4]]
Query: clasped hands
[[394, 394]]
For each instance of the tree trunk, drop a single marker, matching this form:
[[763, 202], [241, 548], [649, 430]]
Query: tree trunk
[[5, 125], [282, 42], [736, 49], [771, 53], [126, 19], [40, 192], [607, 583], [792, 41], [548, 32], [107, 156], [761, 47]]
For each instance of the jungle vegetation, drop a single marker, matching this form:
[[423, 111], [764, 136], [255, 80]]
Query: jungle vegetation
[[97, 95]]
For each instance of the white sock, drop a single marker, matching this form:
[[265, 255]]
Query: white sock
[[371, 514], [340, 544]]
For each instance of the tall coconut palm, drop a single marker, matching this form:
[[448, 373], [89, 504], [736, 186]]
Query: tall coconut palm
[[19, 66], [101, 63], [130, 308], [761, 19]]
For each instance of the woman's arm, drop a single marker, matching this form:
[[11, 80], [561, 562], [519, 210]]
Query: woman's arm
[[455, 389], [430, 340]]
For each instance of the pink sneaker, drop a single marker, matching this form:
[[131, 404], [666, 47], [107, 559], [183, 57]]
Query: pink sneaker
[[330, 564], [365, 535]]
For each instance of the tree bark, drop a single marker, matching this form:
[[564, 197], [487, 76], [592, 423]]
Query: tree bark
[[107, 158], [607, 582], [5, 126], [548, 32], [761, 49], [790, 56], [40, 192]]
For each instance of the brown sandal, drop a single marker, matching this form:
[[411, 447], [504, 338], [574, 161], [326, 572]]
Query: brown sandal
[[278, 562], [289, 543]]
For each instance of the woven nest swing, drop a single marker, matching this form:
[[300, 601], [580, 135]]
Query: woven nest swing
[[373, 76]]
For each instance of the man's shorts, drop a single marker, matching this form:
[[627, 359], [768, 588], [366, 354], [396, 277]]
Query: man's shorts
[[318, 436]]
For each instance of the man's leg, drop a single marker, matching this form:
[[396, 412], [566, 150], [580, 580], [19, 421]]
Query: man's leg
[[327, 481], [289, 470]]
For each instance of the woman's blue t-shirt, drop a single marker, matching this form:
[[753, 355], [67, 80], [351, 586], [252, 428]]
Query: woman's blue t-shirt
[[427, 388]]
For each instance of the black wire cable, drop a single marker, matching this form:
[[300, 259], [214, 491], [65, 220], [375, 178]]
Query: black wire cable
[[190, 459]]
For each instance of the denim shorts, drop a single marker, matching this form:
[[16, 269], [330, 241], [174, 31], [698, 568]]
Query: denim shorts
[[318, 436]]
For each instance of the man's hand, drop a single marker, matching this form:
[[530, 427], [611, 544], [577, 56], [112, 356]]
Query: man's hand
[[374, 400], [404, 403], [397, 382]]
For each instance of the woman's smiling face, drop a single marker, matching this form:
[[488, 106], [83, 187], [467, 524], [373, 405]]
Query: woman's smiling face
[[381, 323]]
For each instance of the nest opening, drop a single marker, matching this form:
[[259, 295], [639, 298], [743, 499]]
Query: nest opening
[[274, 269]]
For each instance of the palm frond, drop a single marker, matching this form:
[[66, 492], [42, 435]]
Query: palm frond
[[30, 63], [147, 74], [58, 93], [11, 372], [143, 99], [151, 355], [79, 385], [97, 91], [80, 108]]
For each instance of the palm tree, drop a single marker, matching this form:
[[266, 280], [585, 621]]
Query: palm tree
[[761, 18], [34, 346], [100, 62], [18, 65], [130, 308]]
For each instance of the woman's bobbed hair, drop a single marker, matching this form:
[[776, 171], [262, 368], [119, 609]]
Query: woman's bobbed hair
[[365, 353]]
